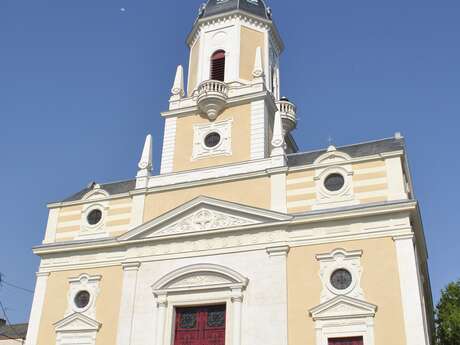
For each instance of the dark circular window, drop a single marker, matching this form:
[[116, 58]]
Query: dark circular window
[[341, 279], [82, 299], [212, 139], [94, 217], [334, 182]]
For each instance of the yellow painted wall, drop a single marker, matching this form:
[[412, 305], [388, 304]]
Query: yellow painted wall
[[241, 139], [118, 218], [369, 180], [250, 40], [193, 68], [107, 304], [252, 192], [380, 283]]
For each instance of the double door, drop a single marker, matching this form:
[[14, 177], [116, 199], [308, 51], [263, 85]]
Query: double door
[[200, 325]]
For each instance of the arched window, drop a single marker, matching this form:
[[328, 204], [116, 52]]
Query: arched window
[[218, 66]]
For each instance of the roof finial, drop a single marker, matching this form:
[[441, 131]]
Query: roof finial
[[258, 71], [146, 163], [331, 145], [178, 87], [278, 143]]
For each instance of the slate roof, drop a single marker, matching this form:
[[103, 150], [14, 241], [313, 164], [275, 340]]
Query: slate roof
[[295, 159], [18, 331], [215, 7], [111, 188], [356, 150]]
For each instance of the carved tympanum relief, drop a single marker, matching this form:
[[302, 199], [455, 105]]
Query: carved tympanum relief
[[205, 219], [201, 279]]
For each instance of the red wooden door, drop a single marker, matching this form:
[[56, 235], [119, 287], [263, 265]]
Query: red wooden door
[[346, 341], [200, 326]]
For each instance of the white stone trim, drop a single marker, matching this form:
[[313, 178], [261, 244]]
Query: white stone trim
[[344, 317], [83, 282], [343, 197], [199, 284], [410, 291], [137, 211], [77, 329], [50, 234], [258, 129], [169, 145], [96, 231], [223, 148], [37, 308], [278, 192], [225, 171], [228, 214], [341, 259], [395, 177], [128, 298]]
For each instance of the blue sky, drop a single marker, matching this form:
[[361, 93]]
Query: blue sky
[[82, 83]]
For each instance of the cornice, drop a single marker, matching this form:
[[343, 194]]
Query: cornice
[[231, 101], [409, 206], [235, 177], [236, 14], [314, 166]]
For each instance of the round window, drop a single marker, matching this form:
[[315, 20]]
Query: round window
[[94, 217], [212, 139], [334, 182], [82, 299], [341, 279]]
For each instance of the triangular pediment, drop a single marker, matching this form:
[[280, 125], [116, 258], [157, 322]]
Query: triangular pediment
[[77, 322], [343, 307], [204, 214]]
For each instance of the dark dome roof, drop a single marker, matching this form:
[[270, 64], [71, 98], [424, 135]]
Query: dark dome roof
[[254, 7]]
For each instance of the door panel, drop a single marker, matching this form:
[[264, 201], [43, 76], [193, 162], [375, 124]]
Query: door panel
[[346, 341], [200, 326]]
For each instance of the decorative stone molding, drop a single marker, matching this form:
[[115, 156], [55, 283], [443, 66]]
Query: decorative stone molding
[[278, 251], [340, 259], [131, 266], [77, 329], [196, 285], [205, 219], [88, 231], [199, 277], [223, 148], [344, 317], [84, 282], [339, 198]]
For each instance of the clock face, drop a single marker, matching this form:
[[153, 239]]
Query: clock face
[[341, 279]]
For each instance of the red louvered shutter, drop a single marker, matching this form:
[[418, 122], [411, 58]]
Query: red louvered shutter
[[218, 66]]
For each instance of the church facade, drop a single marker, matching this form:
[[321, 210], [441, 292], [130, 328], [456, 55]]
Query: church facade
[[241, 239]]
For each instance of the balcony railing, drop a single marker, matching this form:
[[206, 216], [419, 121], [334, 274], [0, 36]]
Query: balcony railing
[[288, 115], [213, 86], [212, 97]]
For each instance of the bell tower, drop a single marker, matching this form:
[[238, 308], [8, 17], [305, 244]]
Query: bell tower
[[227, 113]]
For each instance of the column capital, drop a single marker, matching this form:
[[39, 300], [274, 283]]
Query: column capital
[[278, 250], [410, 236], [131, 266]]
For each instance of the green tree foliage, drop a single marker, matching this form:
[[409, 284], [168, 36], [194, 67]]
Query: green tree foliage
[[448, 315]]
